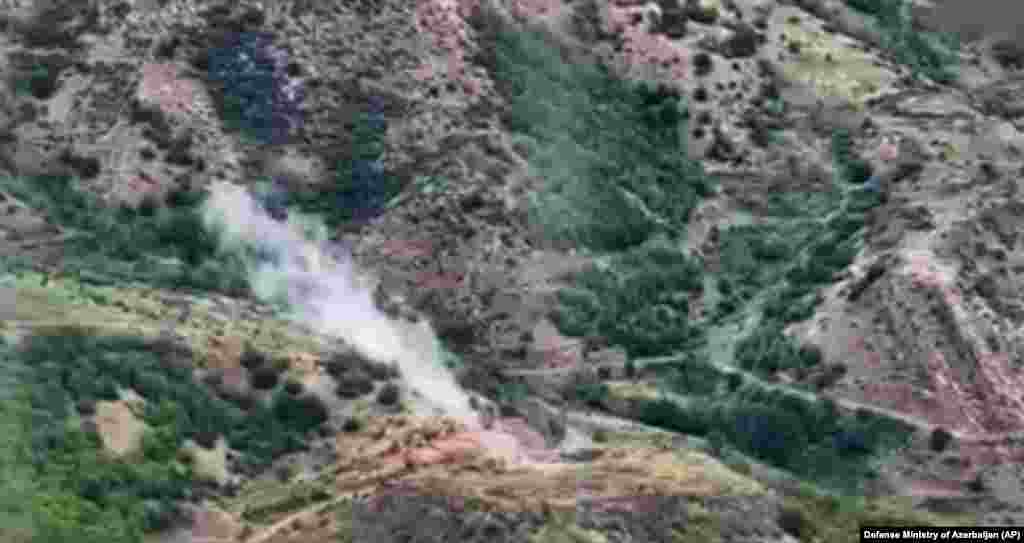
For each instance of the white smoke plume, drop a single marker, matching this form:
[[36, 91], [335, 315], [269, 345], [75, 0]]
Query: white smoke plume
[[292, 262]]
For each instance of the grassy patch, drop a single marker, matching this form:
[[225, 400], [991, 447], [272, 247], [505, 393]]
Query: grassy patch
[[294, 498], [810, 515]]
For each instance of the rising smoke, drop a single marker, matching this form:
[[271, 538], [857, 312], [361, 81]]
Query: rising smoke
[[292, 263]]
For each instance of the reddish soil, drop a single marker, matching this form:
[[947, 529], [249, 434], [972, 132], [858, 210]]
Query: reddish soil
[[509, 438]]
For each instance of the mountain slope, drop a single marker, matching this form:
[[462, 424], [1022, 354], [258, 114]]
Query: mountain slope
[[525, 271]]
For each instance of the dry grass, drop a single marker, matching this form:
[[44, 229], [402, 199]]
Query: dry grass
[[850, 74], [210, 464]]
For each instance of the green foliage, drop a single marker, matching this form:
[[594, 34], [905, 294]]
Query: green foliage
[[813, 515], [68, 487], [793, 302], [121, 242], [696, 377], [852, 168], [594, 395], [639, 302], [811, 439], [771, 434], [768, 350], [755, 255], [57, 482], [667, 414], [610, 152], [176, 404], [940, 439]]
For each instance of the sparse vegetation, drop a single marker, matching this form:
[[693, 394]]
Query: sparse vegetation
[[818, 516]]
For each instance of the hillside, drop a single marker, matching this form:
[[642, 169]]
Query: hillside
[[508, 270]]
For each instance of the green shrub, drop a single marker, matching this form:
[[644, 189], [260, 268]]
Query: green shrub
[[669, 415], [639, 303], [941, 438], [120, 243], [696, 377], [389, 394], [768, 350], [795, 521], [594, 395], [353, 384], [352, 424], [264, 378], [302, 413], [769, 433], [176, 405]]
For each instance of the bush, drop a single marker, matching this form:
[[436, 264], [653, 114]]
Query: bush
[[264, 378], [148, 206], [941, 438], [794, 520], [852, 441], [352, 424], [342, 363], [252, 359], [594, 395], [206, 439], [768, 433], [669, 415], [301, 413], [630, 369], [86, 408], [389, 395], [717, 442], [158, 515], [381, 372], [354, 384], [734, 381]]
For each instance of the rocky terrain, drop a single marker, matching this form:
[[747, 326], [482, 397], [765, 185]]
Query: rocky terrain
[[509, 270]]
